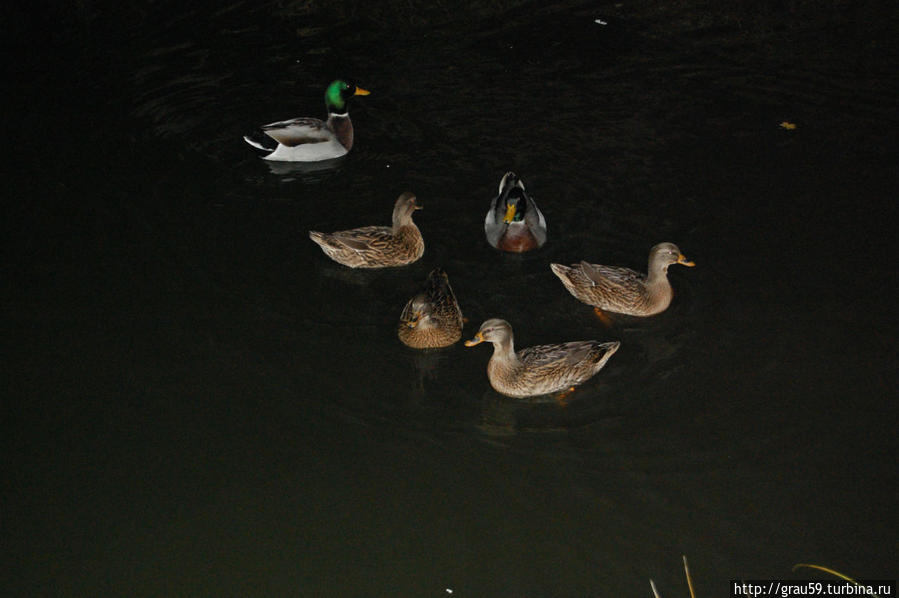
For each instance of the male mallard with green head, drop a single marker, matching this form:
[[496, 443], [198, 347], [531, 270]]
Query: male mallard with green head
[[514, 222], [307, 139]]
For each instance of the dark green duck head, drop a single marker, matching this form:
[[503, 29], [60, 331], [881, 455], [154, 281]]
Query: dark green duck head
[[339, 92]]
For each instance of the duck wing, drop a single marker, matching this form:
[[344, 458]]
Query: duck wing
[[367, 237], [298, 131], [611, 276], [535, 221], [440, 294], [493, 222], [549, 368], [561, 355]]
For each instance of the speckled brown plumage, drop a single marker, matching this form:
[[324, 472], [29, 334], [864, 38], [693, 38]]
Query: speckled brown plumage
[[621, 290], [542, 369], [432, 318], [377, 246]]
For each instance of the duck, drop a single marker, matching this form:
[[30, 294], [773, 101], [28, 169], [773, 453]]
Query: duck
[[307, 139], [539, 370], [514, 223], [622, 290], [377, 246], [432, 318]]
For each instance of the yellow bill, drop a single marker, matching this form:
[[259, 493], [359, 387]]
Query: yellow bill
[[414, 320], [510, 213], [683, 261], [477, 340]]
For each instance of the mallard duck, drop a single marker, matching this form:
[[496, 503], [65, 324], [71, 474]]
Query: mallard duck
[[542, 369], [514, 222], [431, 318], [310, 139], [621, 290], [377, 246]]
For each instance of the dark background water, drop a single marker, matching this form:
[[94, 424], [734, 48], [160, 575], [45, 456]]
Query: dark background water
[[198, 403]]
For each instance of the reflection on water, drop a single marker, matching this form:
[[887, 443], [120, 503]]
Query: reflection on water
[[309, 172], [204, 403]]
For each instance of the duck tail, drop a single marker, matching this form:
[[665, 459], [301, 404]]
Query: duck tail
[[608, 349], [560, 271], [438, 275], [261, 142], [318, 237], [438, 283]]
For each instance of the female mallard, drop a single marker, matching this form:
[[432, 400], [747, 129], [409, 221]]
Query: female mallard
[[377, 246], [621, 290], [514, 222], [310, 139], [432, 318], [542, 369]]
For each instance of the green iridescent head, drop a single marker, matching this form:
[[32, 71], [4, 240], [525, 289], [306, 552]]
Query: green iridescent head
[[513, 197], [337, 94]]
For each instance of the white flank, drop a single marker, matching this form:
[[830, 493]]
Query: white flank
[[308, 152]]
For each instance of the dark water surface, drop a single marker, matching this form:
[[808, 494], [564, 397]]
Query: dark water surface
[[199, 403]]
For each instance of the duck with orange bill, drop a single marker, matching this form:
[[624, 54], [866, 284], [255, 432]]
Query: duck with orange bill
[[542, 369], [307, 139]]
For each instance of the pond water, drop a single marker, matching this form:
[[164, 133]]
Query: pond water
[[199, 403]]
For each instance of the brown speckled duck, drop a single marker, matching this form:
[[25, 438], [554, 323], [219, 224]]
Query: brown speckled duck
[[432, 318], [621, 290], [542, 369], [514, 222], [377, 246]]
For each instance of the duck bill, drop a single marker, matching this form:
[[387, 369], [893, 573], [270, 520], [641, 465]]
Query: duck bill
[[413, 204], [477, 340], [361, 92], [510, 213], [683, 261], [414, 320]]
